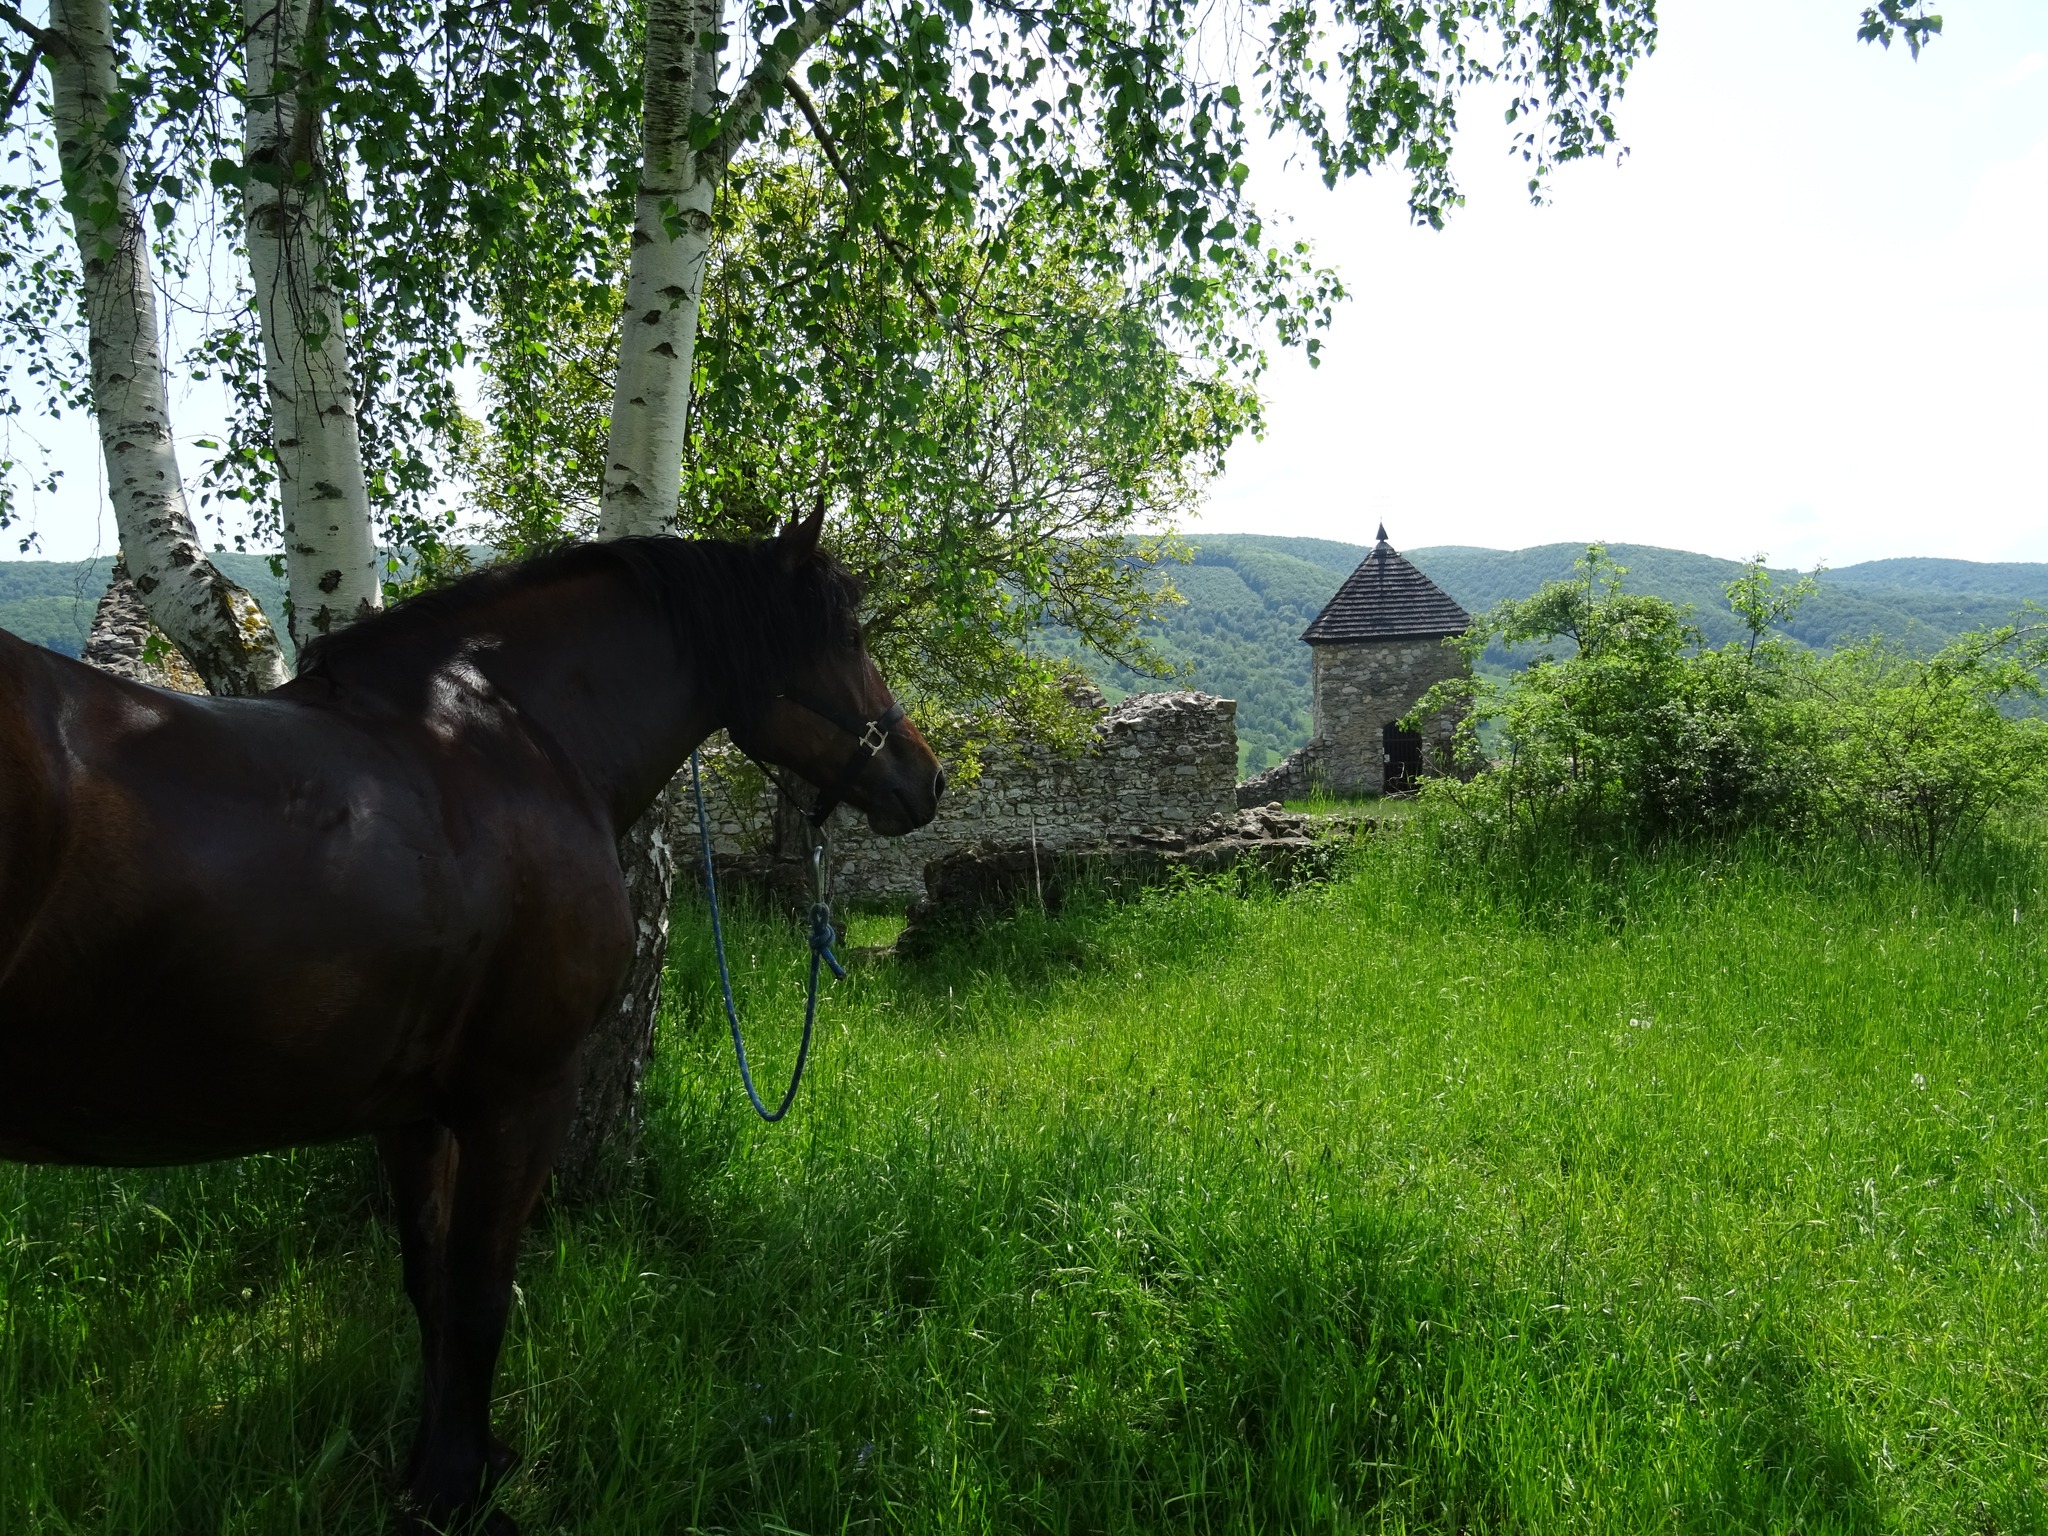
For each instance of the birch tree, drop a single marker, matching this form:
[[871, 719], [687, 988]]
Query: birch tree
[[665, 276], [649, 418], [331, 559], [212, 620]]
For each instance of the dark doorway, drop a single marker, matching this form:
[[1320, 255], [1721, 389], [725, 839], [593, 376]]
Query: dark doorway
[[1401, 753]]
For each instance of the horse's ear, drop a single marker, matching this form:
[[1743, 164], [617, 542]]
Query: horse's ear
[[798, 543]]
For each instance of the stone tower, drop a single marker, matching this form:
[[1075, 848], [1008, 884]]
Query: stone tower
[[1374, 650]]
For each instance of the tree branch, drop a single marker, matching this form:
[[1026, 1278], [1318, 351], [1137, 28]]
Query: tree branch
[[771, 72], [44, 35], [46, 38], [812, 116], [28, 73]]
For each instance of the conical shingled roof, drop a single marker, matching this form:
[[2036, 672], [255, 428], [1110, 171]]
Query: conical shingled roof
[[1387, 598]]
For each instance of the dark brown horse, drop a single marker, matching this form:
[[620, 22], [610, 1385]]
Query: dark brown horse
[[386, 898]]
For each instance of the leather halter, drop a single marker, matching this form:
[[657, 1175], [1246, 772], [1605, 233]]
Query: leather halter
[[870, 737]]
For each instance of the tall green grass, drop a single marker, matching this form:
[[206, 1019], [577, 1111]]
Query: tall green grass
[[1695, 1194]]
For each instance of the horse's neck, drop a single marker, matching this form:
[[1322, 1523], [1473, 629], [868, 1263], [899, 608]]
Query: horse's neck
[[608, 685]]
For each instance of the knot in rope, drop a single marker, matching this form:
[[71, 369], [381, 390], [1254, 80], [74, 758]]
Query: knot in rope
[[823, 938]]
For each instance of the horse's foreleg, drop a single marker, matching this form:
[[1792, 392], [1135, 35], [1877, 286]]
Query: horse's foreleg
[[502, 1160], [420, 1162]]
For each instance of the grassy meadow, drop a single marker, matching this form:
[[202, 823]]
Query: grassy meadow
[[1699, 1194]]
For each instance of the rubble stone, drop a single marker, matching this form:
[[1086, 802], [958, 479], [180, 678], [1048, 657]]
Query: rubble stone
[[989, 880]]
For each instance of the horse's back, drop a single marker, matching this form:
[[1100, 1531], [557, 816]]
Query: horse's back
[[30, 788], [89, 759], [248, 922]]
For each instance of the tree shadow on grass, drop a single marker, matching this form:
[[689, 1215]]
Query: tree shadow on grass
[[1018, 1334], [1095, 930], [1018, 958], [1084, 1329], [1029, 948], [1782, 1459], [217, 1348]]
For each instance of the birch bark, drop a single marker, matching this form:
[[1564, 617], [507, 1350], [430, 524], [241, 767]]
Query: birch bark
[[671, 239], [331, 561], [212, 620], [665, 280], [643, 478]]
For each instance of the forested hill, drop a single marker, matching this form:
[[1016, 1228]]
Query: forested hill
[[51, 601], [1249, 596]]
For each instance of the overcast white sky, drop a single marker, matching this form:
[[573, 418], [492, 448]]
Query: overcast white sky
[[1808, 314]]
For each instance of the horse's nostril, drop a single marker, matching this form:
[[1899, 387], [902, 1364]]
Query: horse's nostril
[[938, 783]]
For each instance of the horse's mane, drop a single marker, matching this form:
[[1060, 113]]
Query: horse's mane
[[731, 604]]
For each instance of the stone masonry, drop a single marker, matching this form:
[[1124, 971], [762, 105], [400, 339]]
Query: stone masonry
[[1361, 688], [1156, 760]]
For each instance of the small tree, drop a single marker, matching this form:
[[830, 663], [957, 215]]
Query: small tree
[[1762, 610], [1637, 730], [1922, 750]]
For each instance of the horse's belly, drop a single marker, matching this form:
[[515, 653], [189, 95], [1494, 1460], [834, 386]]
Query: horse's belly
[[182, 1071], [153, 1026]]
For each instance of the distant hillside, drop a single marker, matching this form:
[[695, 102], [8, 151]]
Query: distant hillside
[[51, 601], [1916, 601], [1251, 595]]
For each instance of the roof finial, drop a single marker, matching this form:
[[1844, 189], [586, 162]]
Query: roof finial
[[1383, 533]]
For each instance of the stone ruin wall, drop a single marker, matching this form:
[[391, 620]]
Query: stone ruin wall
[[1358, 688], [1157, 760], [1361, 688]]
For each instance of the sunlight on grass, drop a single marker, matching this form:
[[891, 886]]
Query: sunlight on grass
[[1382, 807], [859, 929], [1700, 1198]]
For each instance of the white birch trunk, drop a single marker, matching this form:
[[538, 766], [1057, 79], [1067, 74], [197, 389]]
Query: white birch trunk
[[643, 477], [331, 560], [212, 620], [671, 238]]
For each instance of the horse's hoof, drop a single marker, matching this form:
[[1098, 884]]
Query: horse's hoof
[[488, 1522], [437, 1510]]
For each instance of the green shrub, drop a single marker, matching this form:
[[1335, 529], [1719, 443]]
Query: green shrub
[[1631, 727], [1922, 750], [1627, 728]]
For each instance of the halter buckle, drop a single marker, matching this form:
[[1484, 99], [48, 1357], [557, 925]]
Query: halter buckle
[[874, 738]]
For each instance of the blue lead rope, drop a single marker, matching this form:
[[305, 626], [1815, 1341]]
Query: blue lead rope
[[822, 940]]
